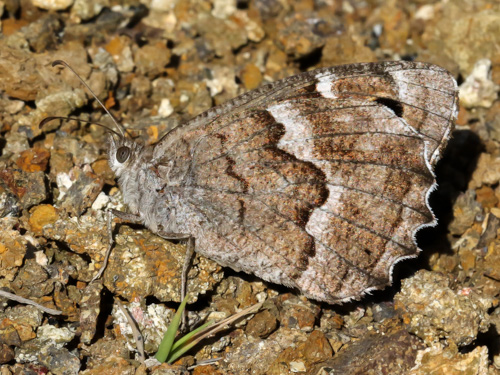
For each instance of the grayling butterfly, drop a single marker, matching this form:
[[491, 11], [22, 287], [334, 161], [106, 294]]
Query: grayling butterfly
[[318, 181]]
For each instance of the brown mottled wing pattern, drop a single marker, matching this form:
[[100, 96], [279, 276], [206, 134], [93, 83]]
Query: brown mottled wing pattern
[[318, 181]]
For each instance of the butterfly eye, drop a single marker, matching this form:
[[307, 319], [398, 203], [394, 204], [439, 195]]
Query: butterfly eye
[[122, 154]]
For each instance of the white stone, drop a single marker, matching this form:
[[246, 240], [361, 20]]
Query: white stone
[[254, 31], [64, 182], [52, 4], [124, 61], [425, 12], [223, 80], [161, 20], [166, 108], [58, 336], [163, 5], [41, 258], [101, 201], [14, 106], [85, 9], [223, 8], [479, 90], [297, 366]]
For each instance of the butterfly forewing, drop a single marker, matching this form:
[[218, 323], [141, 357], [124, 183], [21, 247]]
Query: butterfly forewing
[[318, 181]]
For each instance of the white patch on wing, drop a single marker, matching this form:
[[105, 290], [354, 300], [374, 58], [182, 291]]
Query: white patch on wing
[[324, 86], [400, 79], [319, 221], [296, 127]]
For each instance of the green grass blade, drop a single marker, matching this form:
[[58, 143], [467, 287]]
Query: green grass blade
[[174, 354], [188, 336], [210, 330], [168, 339]]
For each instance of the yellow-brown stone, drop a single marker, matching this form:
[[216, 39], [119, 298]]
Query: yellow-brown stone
[[251, 77], [33, 159], [41, 216]]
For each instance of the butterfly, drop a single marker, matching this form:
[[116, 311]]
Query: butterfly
[[319, 181]]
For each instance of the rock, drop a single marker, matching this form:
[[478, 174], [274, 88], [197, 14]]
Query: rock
[[251, 77], [317, 348], [439, 360], [252, 26], [331, 321], [41, 34], [465, 211], [262, 324], [6, 354], [106, 349], [84, 10], [42, 215], [298, 39], [206, 370], [9, 335], [90, 306], [433, 311], [9, 204], [12, 250], [478, 90], [223, 8], [151, 59], [53, 4], [297, 313], [60, 361], [19, 75], [486, 172], [32, 281], [486, 196], [33, 160], [152, 321], [224, 35], [84, 189], [492, 261], [119, 49], [345, 49], [29, 188], [112, 366], [24, 319], [247, 348], [55, 335], [85, 235], [393, 352], [449, 39]]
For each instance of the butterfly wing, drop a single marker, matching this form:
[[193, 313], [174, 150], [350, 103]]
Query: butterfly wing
[[319, 181]]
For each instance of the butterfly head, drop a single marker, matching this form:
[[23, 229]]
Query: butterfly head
[[122, 154]]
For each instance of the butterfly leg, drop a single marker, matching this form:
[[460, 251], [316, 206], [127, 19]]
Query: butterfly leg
[[110, 246], [125, 216], [185, 267]]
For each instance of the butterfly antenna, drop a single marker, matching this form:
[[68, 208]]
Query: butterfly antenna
[[64, 63], [47, 119]]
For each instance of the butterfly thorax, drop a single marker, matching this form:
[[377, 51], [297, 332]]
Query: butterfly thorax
[[141, 186]]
